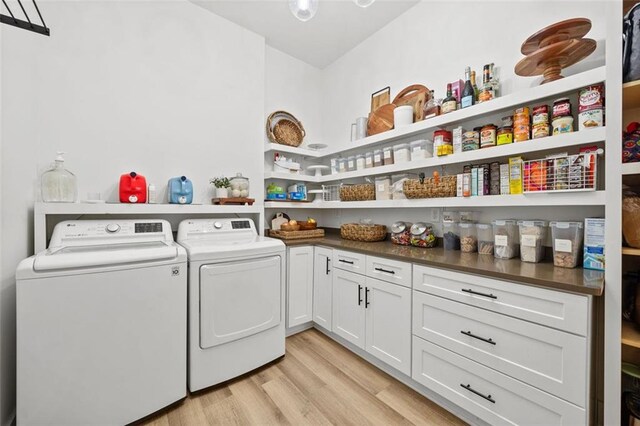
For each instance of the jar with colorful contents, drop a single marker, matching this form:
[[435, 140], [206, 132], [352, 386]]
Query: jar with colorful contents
[[521, 124], [504, 135], [443, 142], [488, 136], [401, 233], [470, 140], [540, 122], [422, 235]]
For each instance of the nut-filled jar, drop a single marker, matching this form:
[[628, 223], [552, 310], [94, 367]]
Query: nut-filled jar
[[401, 233], [468, 238], [488, 136], [422, 235]]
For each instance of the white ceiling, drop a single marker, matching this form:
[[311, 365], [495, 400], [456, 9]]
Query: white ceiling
[[337, 27]]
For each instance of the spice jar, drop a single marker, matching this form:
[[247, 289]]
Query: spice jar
[[470, 140], [451, 236], [468, 238], [422, 235], [351, 163], [488, 136], [368, 160], [377, 158], [401, 233], [387, 155], [484, 233], [532, 236], [443, 142], [505, 238]]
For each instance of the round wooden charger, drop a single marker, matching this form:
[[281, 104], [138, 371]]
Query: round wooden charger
[[560, 31], [549, 61]]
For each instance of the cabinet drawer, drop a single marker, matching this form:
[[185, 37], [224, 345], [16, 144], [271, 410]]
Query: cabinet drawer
[[392, 271], [555, 309], [486, 393], [548, 359], [349, 261]]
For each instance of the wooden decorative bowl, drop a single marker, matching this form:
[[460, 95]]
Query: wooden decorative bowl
[[307, 226], [287, 227]]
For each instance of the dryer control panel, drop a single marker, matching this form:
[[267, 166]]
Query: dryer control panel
[[202, 227]]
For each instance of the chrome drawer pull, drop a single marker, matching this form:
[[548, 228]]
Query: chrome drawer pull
[[468, 333], [468, 290], [470, 389], [385, 270], [345, 261]]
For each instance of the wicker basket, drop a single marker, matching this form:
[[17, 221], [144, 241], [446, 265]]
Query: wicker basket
[[285, 129], [359, 232], [446, 187], [363, 192]]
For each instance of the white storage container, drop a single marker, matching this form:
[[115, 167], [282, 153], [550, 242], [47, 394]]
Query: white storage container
[[351, 163], [368, 160], [401, 153], [360, 162], [505, 238], [421, 149], [397, 185], [532, 236], [567, 243], [383, 188]]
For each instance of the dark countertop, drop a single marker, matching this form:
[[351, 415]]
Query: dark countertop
[[544, 274]]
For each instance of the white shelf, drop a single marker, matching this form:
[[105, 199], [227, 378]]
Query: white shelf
[[508, 102], [271, 147], [558, 142], [292, 177], [139, 209], [631, 168], [586, 198]]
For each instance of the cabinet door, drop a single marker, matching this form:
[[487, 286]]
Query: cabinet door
[[388, 323], [299, 285], [348, 306], [322, 287]]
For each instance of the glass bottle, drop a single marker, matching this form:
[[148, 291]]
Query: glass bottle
[[473, 84], [486, 93], [431, 108], [450, 102], [58, 184], [468, 96], [494, 80]]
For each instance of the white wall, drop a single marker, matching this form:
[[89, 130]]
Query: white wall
[[162, 88]]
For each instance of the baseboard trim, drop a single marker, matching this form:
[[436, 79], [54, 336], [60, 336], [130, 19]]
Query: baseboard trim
[[407, 380], [298, 328]]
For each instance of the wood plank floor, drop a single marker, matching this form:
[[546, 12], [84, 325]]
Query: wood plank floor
[[318, 382]]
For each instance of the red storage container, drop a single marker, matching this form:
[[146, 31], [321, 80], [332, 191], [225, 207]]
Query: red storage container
[[133, 188]]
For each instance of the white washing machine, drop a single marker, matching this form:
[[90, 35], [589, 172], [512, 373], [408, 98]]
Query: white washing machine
[[236, 299], [101, 324]]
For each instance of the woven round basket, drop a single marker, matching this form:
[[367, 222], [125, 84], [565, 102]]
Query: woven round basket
[[446, 187], [283, 128], [359, 232], [362, 192]]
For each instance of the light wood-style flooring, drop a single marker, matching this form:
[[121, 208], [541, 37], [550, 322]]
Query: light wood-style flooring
[[318, 382]]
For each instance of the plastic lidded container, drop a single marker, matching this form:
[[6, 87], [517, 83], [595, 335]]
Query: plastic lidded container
[[567, 243], [505, 238], [468, 238], [342, 165], [485, 238], [401, 233], [451, 236], [387, 156], [378, 159], [422, 235], [450, 216], [421, 149], [383, 188], [401, 153], [368, 160], [360, 162], [468, 217], [351, 163], [532, 236]]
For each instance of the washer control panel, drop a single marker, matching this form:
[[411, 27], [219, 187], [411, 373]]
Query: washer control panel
[[84, 232]]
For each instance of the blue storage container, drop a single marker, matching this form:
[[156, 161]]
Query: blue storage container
[[180, 190]]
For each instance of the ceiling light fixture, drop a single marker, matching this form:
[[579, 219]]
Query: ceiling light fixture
[[364, 3], [304, 9]]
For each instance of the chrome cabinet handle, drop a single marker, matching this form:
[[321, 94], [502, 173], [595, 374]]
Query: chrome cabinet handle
[[468, 290], [468, 333], [472, 390]]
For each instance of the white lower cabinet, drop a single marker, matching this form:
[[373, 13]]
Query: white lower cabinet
[[348, 306], [388, 323], [492, 396], [322, 287], [299, 285]]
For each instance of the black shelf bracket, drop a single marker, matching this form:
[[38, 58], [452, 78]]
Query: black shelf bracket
[[25, 25]]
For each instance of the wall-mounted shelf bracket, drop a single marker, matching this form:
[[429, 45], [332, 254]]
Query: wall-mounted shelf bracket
[[25, 25]]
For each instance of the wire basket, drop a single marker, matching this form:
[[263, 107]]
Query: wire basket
[[331, 192], [567, 173]]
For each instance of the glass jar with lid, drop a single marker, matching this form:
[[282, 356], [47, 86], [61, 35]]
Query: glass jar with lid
[[239, 186], [401, 233], [422, 235], [360, 162], [387, 156], [351, 163], [59, 185], [368, 160]]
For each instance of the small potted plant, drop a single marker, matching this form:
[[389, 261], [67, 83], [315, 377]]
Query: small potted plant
[[222, 185]]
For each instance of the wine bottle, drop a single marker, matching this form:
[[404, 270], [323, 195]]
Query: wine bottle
[[450, 103], [475, 88], [468, 95]]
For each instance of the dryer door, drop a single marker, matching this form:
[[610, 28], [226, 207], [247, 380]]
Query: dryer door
[[238, 299]]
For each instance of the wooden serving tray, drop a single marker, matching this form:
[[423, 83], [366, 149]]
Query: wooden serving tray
[[238, 201], [297, 235]]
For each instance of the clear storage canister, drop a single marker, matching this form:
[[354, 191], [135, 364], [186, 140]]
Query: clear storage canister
[[342, 165], [383, 188], [351, 163], [422, 235], [401, 233], [360, 162], [378, 158], [401, 153], [532, 236], [485, 238], [451, 236], [567, 243], [505, 239], [387, 156], [368, 160], [468, 238], [421, 149]]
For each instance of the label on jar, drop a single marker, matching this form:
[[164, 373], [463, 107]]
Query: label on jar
[[368, 162], [540, 131], [377, 158], [381, 187], [449, 106], [387, 154], [563, 245], [501, 240], [562, 108], [591, 97], [528, 240], [352, 164], [591, 118]]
